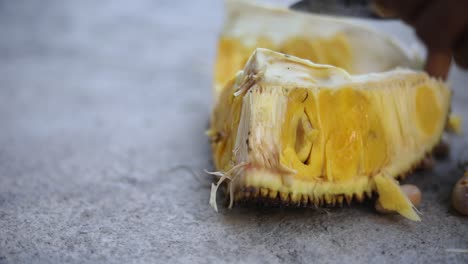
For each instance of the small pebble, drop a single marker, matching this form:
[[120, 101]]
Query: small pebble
[[411, 191], [460, 195]]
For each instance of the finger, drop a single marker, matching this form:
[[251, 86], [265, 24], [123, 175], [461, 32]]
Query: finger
[[438, 63], [413, 10], [441, 22], [460, 51], [407, 10]]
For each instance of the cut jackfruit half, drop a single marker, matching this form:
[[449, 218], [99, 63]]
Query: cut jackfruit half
[[286, 130], [321, 39]]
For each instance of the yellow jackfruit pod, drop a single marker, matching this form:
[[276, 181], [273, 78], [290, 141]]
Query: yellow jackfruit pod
[[321, 39], [286, 130]]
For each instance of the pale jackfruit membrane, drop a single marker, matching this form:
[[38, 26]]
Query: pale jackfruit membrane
[[289, 131], [322, 39]]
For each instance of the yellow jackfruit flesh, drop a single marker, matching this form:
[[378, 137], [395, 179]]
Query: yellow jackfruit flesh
[[292, 131]]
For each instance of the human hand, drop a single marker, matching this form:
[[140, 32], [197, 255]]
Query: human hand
[[442, 25]]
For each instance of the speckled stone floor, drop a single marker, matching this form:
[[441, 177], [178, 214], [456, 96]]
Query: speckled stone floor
[[100, 99]]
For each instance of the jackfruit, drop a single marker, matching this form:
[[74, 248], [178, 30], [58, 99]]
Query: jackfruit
[[289, 131], [322, 39], [295, 132]]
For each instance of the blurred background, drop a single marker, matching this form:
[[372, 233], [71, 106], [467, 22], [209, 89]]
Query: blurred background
[[100, 99]]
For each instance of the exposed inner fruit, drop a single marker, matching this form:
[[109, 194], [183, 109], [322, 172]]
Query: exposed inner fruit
[[305, 133], [288, 131]]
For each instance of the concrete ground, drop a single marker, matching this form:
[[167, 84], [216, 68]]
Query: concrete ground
[[101, 100]]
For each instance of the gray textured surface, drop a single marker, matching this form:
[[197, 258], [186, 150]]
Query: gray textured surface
[[99, 99]]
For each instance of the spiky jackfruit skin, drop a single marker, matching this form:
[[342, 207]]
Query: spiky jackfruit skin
[[304, 133]]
